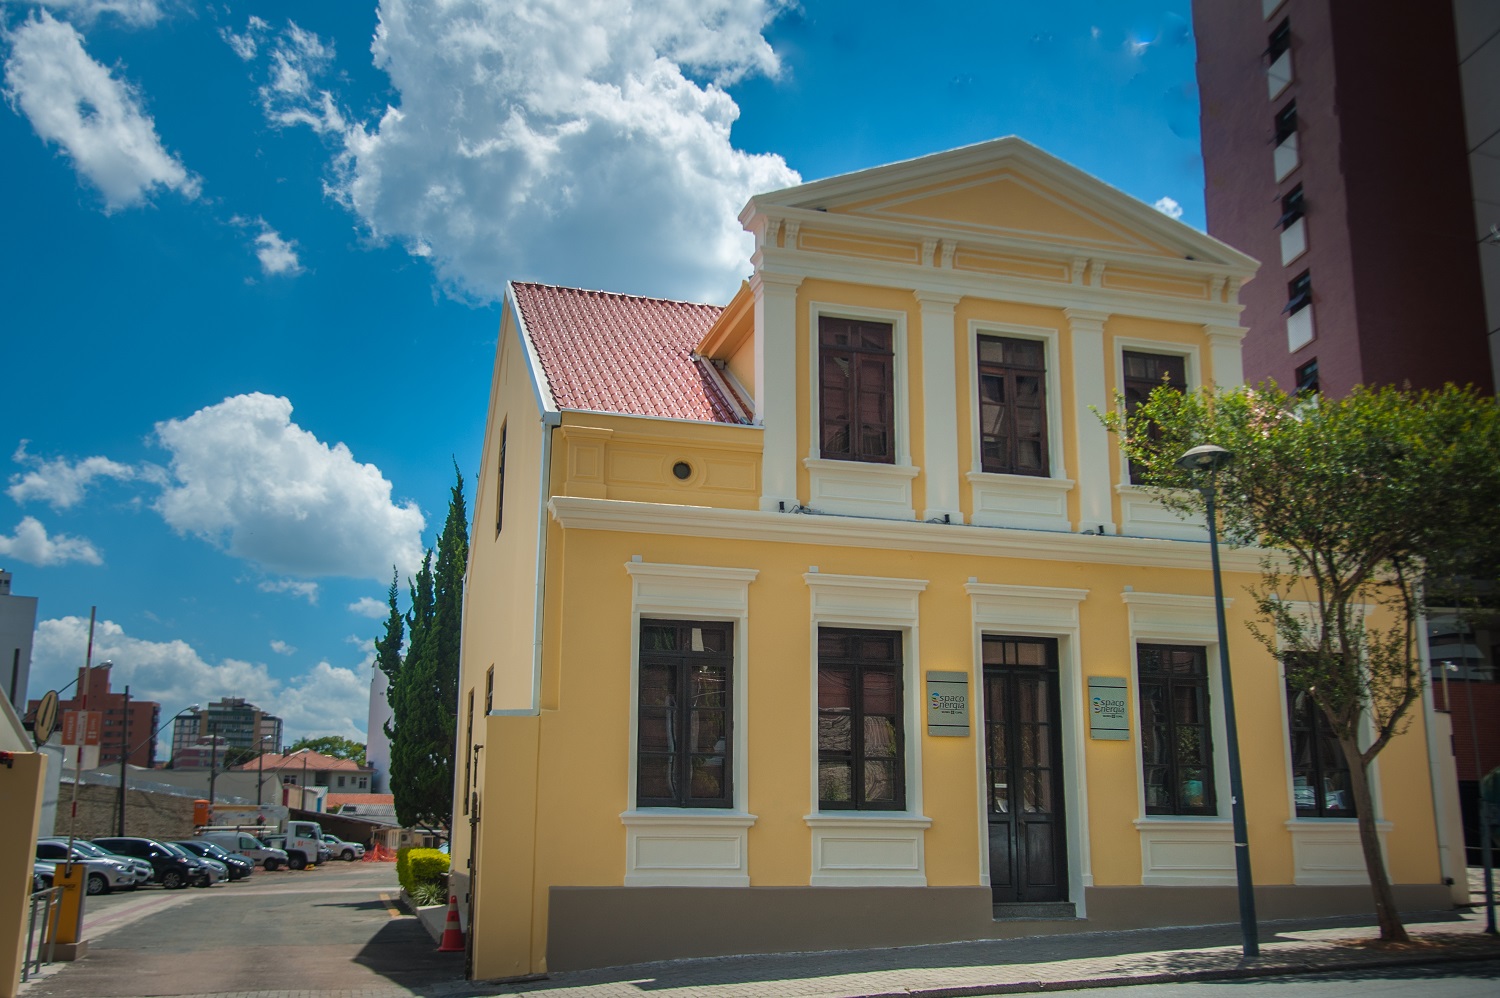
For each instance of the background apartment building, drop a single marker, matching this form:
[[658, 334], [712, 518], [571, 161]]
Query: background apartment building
[[238, 724]]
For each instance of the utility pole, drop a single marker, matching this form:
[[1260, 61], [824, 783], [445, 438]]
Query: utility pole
[[213, 766], [124, 759]]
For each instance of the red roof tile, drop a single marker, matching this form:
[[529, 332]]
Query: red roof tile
[[622, 353]]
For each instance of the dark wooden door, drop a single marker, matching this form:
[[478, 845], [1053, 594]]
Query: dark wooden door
[[1023, 749]]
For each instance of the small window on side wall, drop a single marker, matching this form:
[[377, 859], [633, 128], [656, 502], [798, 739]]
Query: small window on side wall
[[856, 390], [1012, 406], [500, 481]]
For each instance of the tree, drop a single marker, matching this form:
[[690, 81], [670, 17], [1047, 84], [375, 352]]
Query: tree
[[235, 756], [334, 746], [1352, 498], [423, 691]]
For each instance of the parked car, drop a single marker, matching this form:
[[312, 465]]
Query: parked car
[[217, 872], [102, 874], [245, 844], [41, 875], [172, 869], [90, 850], [343, 848], [239, 866]]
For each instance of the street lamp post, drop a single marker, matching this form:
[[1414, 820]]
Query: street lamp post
[[260, 768], [1210, 458], [190, 708]]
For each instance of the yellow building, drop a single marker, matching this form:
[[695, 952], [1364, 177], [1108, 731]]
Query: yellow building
[[831, 618]]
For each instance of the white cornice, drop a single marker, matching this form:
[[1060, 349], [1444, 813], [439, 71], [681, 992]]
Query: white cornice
[[575, 513], [1048, 294], [539, 383]]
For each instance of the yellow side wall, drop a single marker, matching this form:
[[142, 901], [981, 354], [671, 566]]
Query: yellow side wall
[[20, 802]]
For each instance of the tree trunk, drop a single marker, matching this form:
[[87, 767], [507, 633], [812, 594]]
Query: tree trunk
[[1391, 929]]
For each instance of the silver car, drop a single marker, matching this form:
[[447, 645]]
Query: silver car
[[84, 849], [103, 874]]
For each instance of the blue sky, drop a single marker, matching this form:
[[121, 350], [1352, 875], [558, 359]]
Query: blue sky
[[255, 252]]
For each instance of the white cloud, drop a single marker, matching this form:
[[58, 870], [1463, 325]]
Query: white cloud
[[372, 608], [136, 13], [248, 44], [248, 479], [97, 119], [327, 699], [282, 648], [277, 255], [31, 544], [304, 590], [552, 140], [1169, 207], [62, 484]]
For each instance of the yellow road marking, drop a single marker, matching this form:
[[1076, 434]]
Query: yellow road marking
[[389, 900]]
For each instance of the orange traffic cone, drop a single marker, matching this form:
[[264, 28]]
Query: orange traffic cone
[[453, 933]]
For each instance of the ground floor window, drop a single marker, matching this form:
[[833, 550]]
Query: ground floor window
[[684, 715], [1177, 763], [861, 746], [1320, 773]]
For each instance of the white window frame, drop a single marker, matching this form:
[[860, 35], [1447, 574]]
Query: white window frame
[[869, 848], [690, 846], [1140, 514], [1030, 501], [862, 488], [1046, 612], [1183, 850]]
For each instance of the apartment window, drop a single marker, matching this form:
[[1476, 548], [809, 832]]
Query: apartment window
[[1307, 378], [1291, 207], [364, 783], [1143, 374], [861, 748], [856, 390], [1320, 773], [1176, 745], [1012, 406], [1298, 293], [489, 690], [500, 480], [341, 781], [1280, 40], [1286, 122], [684, 714]]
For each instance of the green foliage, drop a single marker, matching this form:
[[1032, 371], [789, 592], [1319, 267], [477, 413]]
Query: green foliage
[[416, 868], [234, 756], [429, 894], [423, 691], [335, 746], [1356, 500]]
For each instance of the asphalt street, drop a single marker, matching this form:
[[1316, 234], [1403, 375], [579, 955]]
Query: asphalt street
[[1456, 980], [336, 928]]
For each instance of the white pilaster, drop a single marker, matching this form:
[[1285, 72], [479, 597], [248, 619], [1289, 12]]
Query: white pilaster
[[1095, 508], [776, 386], [1224, 356], [940, 408]]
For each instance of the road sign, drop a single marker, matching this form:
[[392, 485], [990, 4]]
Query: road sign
[[82, 727], [46, 718]]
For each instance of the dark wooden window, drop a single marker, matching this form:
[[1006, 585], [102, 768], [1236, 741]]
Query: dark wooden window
[[1286, 122], [489, 690], [861, 745], [685, 742], [1177, 756], [1320, 773], [1012, 406], [1146, 372], [500, 481], [856, 390]]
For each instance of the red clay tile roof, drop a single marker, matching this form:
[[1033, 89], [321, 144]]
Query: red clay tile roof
[[339, 800], [621, 353], [316, 761]]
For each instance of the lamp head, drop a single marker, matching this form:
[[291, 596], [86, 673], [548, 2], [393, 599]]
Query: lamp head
[[1204, 457]]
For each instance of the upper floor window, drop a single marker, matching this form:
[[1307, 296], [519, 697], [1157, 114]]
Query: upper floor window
[[1280, 40], [500, 481], [1320, 772], [861, 745], [1307, 378], [1291, 207], [1298, 293], [1177, 759], [1144, 373], [856, 390], [1013, 406], [1286, 122], [684, 714]]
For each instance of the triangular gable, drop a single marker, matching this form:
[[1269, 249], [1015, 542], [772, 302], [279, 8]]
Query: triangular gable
[[1004, 190]]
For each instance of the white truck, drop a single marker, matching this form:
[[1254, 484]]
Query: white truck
[[302, 840], [245, 841]]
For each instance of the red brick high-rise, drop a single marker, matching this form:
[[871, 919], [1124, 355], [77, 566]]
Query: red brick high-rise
[[122, 728]]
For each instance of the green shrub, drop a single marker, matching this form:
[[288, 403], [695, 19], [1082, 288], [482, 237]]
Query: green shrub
[[416, 867], [429, 893]]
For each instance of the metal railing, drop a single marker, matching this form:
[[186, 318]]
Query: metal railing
[[46, 902]]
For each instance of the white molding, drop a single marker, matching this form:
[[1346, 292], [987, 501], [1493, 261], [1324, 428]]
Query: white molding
[[1186, 853], [1226, 354], [1143, 515], [1173, 618], [939, 421], [861, 488], [1090, 395], [686, 847], [1327, 851], [691, 846], [776, 385], [1020, 501], [582, 513], [1039, 611], [868, 850]]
